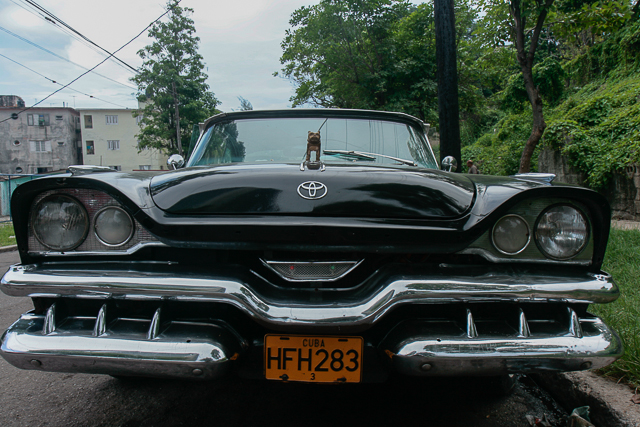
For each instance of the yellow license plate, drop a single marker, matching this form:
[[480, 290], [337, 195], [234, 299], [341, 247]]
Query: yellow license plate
[[322, 359]]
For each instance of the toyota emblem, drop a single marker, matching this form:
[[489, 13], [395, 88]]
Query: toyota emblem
[[312, 190]]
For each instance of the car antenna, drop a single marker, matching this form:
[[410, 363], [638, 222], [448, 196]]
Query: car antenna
[[325, 121]]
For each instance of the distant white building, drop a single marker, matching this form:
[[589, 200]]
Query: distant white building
[[109, 139]]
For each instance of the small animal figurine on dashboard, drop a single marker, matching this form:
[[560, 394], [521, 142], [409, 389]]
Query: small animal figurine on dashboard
[[313, 144]]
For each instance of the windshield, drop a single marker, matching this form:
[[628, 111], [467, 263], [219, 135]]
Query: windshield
[[284, 140]]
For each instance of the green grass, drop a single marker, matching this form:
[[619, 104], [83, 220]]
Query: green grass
[[622, 261], [7, 236]]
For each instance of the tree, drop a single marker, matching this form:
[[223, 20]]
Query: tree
[[338, 53], [171, 84], [511, 25], [245, 105], [370, 54]]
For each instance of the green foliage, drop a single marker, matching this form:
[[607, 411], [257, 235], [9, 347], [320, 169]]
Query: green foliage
[[498, 153], [172, 59], [598, 128], [376, 54], [623, 262], [7, 235]]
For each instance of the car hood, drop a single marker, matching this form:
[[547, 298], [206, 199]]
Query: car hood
[[340, 190]]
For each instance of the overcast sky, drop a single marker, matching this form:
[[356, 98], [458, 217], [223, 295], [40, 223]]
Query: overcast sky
[[239, 40]]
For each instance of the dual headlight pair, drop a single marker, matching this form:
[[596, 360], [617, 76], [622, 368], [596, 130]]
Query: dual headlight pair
[[61, 223], [561, 232]]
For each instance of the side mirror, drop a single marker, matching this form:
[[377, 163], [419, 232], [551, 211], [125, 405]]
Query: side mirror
[[449, 164], [176, 161]]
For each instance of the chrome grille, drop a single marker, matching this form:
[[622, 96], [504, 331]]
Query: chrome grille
[[297, 271]]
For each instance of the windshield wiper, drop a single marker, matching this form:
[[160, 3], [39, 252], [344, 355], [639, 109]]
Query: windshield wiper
[[368, 156]]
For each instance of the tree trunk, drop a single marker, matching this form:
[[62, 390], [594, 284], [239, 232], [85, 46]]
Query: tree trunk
[[539, 124], [525, 59]]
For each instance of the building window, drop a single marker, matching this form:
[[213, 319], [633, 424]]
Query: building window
[[16, 143], [90, 149], [145, 167], [114, 145], [112, 120], [116, 168], [88, 121], [43, 120], [58, 117], [40, 146], [29, 119], [60, 143], [43, 170], [19, 169]]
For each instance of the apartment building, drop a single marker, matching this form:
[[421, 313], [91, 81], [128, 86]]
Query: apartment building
[[38, 140], [109, 139]]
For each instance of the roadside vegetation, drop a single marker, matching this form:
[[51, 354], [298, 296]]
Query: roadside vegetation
[[7, 236], [623, 262]]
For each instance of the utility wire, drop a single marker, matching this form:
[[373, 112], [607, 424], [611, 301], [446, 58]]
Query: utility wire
[[64, 30], [55, 18], [60, 57], [96, 66], [53, 81]]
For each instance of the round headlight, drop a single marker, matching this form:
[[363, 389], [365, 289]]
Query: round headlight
[[60, 222], [562, 232], [113, 226], [511, 234]]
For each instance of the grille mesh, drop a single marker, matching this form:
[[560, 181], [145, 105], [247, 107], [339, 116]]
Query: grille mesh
[[309, 271]]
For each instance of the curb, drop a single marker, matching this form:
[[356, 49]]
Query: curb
[[609, 402], [8, 248]]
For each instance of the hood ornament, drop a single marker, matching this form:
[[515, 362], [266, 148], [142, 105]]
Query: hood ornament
[[312, 190]]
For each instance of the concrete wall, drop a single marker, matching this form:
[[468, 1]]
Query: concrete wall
[[623, 192], [28, 144], [101, 130]]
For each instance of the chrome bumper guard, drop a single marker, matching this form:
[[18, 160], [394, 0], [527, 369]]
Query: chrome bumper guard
[[585, 343], [130, 347]]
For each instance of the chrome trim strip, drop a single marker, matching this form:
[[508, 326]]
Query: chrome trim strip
[[129, 251], [535, 176], [32, 280], [491, 257], [77, 170]]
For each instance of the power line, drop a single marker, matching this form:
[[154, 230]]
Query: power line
[[64, 30], [53, 81], [60, 57], [96, 66], [55, 18]]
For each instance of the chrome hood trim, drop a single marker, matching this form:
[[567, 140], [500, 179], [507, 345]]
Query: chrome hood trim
[[40, 281]]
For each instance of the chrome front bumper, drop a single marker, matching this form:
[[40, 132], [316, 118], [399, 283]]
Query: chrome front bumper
[[492, 324], [41, 281]]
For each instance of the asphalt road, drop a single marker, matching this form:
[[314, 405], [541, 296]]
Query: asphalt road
[[33, 398]]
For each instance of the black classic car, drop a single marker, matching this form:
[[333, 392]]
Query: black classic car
[[308, 245]]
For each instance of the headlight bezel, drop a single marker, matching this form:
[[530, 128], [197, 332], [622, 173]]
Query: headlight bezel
[[493, 236], [95, 226], [93, 200], [587, 238], [78, 203]]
